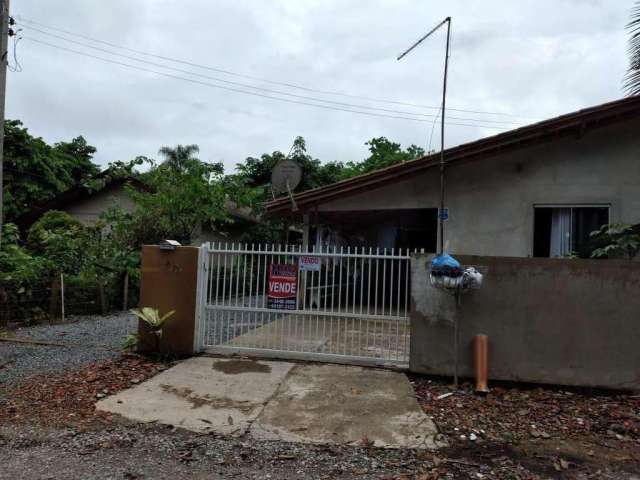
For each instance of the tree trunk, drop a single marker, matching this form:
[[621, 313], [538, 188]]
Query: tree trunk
[[101, 297], [125, 293]]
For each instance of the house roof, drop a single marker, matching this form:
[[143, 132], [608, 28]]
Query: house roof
[[77, 193], [569, 124]]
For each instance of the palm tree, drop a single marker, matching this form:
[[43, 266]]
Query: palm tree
[[632, 78], [179, 156]]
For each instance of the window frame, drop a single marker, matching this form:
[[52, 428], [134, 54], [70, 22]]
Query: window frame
[[606, 205]]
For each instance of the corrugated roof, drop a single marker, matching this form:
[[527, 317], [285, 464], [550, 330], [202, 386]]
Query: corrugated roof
[[571, 123]]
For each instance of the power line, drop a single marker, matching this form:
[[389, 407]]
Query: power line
[[249, 77], [237, 90], [267, 90], [277, 92]]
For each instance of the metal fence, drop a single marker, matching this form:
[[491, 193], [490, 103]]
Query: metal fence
[[350, 304], [61, 296]]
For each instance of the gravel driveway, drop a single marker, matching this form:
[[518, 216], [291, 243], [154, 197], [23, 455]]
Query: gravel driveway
[[90, 339], [156, 452]]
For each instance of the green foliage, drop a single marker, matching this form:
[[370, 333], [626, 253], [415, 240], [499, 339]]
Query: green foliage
[[152, 317], [255, 173], [618, 239], [632, 78], [17, 265], [184, 195], [35, 171], [114, 245], [130, 341], [187, 194], [21, 275], [383, 153], [60, 240]]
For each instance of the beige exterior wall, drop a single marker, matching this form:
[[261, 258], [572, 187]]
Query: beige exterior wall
[[88, 210], [491, 201]]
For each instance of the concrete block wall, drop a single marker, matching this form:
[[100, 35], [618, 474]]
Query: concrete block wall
[[555, 321]]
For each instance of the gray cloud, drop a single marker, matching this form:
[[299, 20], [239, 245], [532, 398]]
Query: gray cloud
[[533, 59]]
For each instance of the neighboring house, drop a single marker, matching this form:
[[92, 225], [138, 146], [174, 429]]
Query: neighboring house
[[87, 205], [242, 218], [536, 191]]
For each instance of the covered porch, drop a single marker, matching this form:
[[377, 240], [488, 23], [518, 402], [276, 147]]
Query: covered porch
[[410, 229]]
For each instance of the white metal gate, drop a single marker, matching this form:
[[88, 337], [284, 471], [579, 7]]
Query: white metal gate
[[344, 304]]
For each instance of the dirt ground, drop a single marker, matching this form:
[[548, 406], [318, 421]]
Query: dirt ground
[[49, 428], [534, 432]]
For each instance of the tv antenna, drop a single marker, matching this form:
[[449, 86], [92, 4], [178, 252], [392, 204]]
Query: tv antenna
[[285, 177]]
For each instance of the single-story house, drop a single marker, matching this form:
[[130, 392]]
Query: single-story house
[[87, 204], [536, 191]]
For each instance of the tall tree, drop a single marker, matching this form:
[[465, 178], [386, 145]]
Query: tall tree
[[180, 156], [187, 194], [632, 78], [256, 172], [383, 153], [35, 171]]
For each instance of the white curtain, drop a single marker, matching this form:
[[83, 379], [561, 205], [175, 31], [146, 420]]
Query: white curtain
[[560, 232]]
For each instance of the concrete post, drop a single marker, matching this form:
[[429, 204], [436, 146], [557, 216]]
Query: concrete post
[[170, 282]]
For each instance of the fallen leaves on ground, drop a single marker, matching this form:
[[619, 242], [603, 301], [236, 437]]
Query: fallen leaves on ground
[[534, 413], [548, 430], [69, 398]]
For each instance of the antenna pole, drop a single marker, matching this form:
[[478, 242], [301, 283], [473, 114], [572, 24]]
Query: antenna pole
[[294, 206], [444, 98]]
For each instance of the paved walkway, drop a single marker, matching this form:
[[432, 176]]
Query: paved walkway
[[307, 403], [372, 338]]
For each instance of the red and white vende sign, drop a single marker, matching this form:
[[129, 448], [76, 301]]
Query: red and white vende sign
[[309, 264], [283, 286]]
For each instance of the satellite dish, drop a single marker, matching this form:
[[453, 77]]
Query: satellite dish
[[285, 177]]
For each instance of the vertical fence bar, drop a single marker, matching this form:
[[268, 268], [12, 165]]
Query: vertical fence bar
[[388, 323], [229, 301], [260, 301], [346, 301], [355, 279], [269, 318], [384, 279], [216, 330], [368, 300], [353, 328], [223, 327], [375, 303], [333, 283], [294, 261], [406, 310], [361, 276]]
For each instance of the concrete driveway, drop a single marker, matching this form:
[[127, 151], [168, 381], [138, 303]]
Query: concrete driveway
[[307, 403]]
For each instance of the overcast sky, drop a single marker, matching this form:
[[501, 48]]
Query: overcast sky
[[529, 59]]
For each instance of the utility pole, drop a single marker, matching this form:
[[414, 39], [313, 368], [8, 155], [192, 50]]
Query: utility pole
[[444, 99], [4, 41], [441, 216]]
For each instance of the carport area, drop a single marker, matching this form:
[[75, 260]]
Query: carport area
[[270, 400]]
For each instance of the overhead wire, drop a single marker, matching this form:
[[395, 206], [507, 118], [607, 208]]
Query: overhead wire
[[16, 67], [255, 78], [256, 94], [267, 90]]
